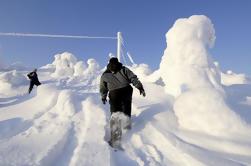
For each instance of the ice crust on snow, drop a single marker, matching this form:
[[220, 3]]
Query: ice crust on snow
[[190, 75]]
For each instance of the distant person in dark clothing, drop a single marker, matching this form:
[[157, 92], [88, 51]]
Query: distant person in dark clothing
[[116, 80], [33, 79]]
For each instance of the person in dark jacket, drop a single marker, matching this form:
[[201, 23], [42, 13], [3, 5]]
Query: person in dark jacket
[[33, 79], [116, 80]]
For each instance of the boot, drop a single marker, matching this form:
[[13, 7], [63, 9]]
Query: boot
[[116, 132]]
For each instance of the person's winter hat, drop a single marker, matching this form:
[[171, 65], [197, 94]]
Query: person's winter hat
[[114, 64], [113, 60]]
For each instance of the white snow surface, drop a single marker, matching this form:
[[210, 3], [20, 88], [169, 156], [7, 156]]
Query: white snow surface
[[187, 117]]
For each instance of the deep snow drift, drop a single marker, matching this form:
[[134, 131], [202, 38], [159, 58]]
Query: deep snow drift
[[191, 115]]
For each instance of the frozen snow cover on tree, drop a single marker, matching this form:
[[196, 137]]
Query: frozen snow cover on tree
[[79, 68], [190, 75], [64, 64], [186, 63], [93, 68], [67, 65], [86, 74], [71, 72]]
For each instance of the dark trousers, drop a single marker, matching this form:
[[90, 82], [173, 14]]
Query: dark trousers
[[31, 86], [32, 83], [121, 100]]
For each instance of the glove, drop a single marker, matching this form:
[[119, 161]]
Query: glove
[[104, 100], [142, 91]]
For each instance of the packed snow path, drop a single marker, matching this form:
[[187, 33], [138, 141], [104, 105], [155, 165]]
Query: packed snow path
[[68, 125]]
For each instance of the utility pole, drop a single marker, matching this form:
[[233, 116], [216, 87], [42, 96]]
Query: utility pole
[[119, 40]]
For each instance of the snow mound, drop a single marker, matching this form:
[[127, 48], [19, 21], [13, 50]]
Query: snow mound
[[11, 81], [231, 78], [190, 75]]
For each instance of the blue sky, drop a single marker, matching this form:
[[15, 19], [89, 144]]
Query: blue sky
[[143, 24]]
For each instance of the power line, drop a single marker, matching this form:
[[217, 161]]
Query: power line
[[54, 36]]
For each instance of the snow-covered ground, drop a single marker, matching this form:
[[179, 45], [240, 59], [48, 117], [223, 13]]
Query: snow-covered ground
[[192, 114]]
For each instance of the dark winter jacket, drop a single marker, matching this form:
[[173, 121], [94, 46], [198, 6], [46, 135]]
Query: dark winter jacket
[[33, 77], [117, 76]]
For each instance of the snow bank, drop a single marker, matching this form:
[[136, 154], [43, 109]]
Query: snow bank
[[231, 78], [11, 82], [190, 75]]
